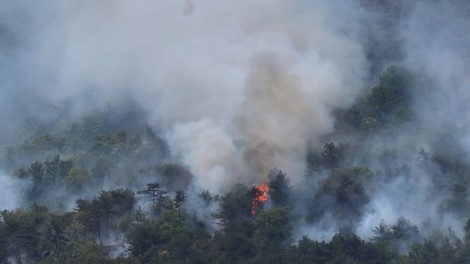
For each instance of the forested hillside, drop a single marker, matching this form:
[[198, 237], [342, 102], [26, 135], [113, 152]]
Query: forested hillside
[[262, 132]]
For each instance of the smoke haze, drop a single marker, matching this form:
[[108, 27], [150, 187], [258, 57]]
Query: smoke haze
[[258, 72], [242, 88]]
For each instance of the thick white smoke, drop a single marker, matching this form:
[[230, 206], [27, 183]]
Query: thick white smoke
[[242, 87]]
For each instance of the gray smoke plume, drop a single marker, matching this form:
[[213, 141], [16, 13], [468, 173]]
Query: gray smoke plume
[[246, 85], [242, 88]]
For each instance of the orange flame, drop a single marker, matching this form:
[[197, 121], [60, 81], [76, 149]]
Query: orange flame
[[262, 196]]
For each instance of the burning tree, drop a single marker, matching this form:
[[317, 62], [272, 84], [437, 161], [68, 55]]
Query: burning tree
[[261, 196]]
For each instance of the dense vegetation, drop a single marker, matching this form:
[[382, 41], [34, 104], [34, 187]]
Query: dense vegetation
[[102, 186], [166, 234], [154, 225]]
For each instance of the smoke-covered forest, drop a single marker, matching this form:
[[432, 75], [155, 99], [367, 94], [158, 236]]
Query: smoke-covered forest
[[253, 131]]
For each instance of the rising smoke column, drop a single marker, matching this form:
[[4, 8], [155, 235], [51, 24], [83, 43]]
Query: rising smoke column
[[300, 68], [240, 88]]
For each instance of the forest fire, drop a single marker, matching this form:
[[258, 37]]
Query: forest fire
[[261, 197]]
